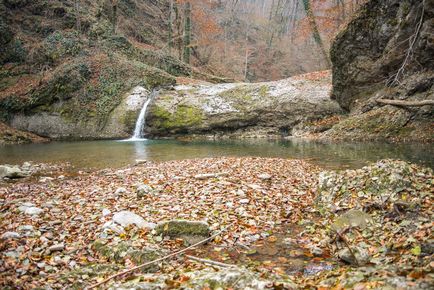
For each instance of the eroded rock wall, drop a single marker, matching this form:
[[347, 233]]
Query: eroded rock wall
[[385, 52], [368, 54]]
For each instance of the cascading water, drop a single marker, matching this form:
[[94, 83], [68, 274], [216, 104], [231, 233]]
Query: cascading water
[[140, 123]]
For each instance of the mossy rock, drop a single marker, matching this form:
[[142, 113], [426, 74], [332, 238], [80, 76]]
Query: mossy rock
[[182, 228], [91, 270], [124, 250], [351, 219], [182, 119]]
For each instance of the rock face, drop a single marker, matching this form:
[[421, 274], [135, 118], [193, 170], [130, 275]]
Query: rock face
[[241, 109], [120, 123], [373, 47], [385, 52]]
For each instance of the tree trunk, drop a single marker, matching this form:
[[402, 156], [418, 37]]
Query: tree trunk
[[315, 31], [170, 40], [187, 33], [114, 19]]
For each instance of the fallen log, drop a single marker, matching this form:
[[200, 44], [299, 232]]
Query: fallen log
[[406, 103]]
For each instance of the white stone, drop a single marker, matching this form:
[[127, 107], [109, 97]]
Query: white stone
[[244, 201], [10, 235], [264, 176], [106, 212], [45, 179], [121, 190], [56, 247], [126, 218], [30, 210]]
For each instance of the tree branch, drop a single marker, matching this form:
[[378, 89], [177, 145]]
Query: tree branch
[[406, 103], [158, 260]]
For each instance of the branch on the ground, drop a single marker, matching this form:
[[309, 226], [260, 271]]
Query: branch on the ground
[[406, 103], [127, 271], [209, 262]]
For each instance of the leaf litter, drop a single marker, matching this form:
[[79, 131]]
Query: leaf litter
[[292, 228]]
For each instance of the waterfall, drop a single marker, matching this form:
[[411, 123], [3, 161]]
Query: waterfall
[[140, 123]]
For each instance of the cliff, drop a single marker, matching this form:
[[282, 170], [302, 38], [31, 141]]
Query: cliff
[[386, 52]]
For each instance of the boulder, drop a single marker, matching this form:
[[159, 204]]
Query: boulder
[[351, 219], [357, 256], [126, 218], [11, 172], [241, 109]]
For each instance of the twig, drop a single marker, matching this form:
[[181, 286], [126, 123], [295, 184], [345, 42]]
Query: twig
[[342, 237], [209, 262], [158, 260]]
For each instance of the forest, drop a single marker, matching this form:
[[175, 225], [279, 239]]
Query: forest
[[216, 144]]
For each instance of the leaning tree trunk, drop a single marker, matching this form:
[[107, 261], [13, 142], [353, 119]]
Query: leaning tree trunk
[[315, 31], [187, 33], [170, 37]]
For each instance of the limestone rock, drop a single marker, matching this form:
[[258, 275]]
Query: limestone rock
[[351, 219], [30, 209], [11, 172], [56, 247], [143, 190], [10, 235], [241, 109], [360, 257], [126, 218], [264, 176], [182, 228]]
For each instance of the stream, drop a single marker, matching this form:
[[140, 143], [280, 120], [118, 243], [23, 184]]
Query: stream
[[102, 154]]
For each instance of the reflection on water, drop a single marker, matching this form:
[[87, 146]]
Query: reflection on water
[[100, 154]]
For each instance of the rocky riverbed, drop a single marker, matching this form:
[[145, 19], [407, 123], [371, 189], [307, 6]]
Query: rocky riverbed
[[273, 223]]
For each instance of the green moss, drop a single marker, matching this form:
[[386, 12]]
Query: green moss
[[183, 118], [58, 45], [240, 97], [181, 228], [263, 91]]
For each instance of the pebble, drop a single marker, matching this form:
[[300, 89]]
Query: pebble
[[33, 210], [121, 190], [56, 247], [244, 201], [26, 228], [106, 212], [264, 176], [10, 235], [316, 251]]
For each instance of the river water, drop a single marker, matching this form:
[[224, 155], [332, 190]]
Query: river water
[[101, 154]]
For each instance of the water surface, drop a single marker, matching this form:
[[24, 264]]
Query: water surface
[[101, 154]]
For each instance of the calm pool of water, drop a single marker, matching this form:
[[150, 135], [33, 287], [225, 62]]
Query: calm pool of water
[[101, 154]]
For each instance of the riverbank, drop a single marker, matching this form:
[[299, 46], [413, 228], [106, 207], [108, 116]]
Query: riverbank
[[10, 135], [62, 229]]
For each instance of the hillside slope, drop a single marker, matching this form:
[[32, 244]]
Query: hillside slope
[[74, 63]]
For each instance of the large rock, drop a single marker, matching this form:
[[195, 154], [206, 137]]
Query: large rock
[[372, 48], [242, 109], [11, 172], [181, 228], [126, 218], [372, 59]]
